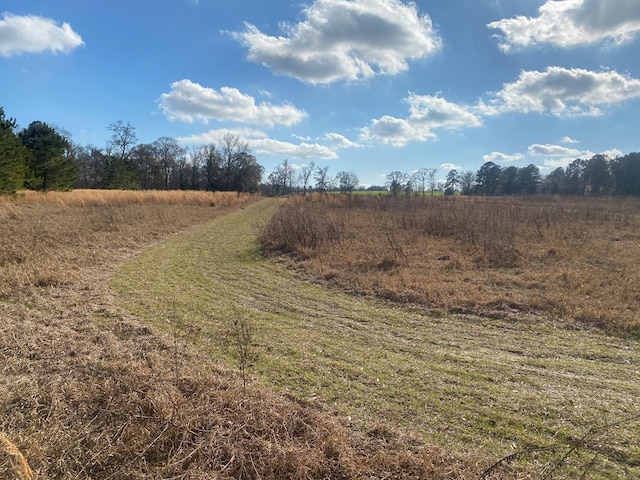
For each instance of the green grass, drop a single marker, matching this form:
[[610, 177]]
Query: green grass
[[473, 384]]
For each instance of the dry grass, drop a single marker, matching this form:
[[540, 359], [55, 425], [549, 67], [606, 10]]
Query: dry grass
[[47, 238], [12, 462], [528, 390], [574, 260], [86, 197], [88, 391]]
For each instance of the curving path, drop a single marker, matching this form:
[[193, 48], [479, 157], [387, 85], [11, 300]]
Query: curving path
[[461, 381]]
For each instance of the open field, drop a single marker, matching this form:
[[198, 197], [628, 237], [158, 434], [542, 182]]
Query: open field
[[481, 386], [89, 391], [567, 260]]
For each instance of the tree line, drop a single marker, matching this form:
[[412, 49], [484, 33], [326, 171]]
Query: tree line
[[43, 157], [287, 178], [598, 175]]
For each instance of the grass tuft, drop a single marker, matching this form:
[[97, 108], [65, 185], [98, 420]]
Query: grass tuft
[[12, 462]]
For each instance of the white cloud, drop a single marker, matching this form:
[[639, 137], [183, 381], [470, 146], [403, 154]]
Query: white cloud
[[189, 101], [302, 138], [498, 157], [335, 140], [569, 140], [566, 156], [345, 40], [260, 143], [562, 92], [435, 112], [31, 34], [425, 114], [450, 166], [553, 151], [553, 163], [394, 131], [613, 153], [570, 23]]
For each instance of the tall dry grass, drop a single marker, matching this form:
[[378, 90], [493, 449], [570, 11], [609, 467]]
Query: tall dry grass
[[569, 259], [46, 238], [87, 391], [92, 197]]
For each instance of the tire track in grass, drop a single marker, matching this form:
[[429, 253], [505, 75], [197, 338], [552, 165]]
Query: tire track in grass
[[471, 383]]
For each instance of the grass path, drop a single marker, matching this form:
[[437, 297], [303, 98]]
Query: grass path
[[469, 383]]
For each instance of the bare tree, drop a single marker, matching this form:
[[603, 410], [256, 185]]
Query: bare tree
[[196, 158], [433, 183], [168, 152], [305, 175], [396, 182], [123, 138], [419, 180], [322, 179], [231, 149], [347, 181]]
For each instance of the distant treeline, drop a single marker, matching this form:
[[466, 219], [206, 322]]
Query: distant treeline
[[598, 175], [42, 157]]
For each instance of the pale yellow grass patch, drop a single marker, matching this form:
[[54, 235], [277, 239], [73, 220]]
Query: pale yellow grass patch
[[12, 462]]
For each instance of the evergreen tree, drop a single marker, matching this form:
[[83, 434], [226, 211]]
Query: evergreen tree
[[48, 168], [626, 174], [596, 174], [528, 180], [13, 156], [488, 179]]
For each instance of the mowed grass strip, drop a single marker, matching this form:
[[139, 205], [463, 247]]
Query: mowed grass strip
[[474, 384]]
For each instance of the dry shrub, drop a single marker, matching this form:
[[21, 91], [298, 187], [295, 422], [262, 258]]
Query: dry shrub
[[310, 227], [572, 259]]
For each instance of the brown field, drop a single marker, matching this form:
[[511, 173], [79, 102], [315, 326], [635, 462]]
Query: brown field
[[573, 261], [48, 238], [89, 391]]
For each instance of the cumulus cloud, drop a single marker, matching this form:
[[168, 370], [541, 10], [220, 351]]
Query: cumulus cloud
[[31, 34], [394, 131], [498, 157], [436, 112], [569, 140], [260, 143], [345, 40], [450, 166], [562, 156], [562, 92], [553, 150], [426, 113], [569, 23], [613, 153], [189, 101], [335, 140]]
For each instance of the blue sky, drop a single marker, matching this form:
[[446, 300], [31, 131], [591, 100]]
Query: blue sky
[[369, 86]]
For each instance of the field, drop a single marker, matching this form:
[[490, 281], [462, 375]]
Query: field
[[566, 260], [89, 391], [123, 355]]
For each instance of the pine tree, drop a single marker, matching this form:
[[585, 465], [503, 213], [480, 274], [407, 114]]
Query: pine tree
[[48, 168], [13, 156]]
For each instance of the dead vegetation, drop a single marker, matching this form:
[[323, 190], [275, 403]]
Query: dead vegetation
[[575, 260], [87, 391]]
